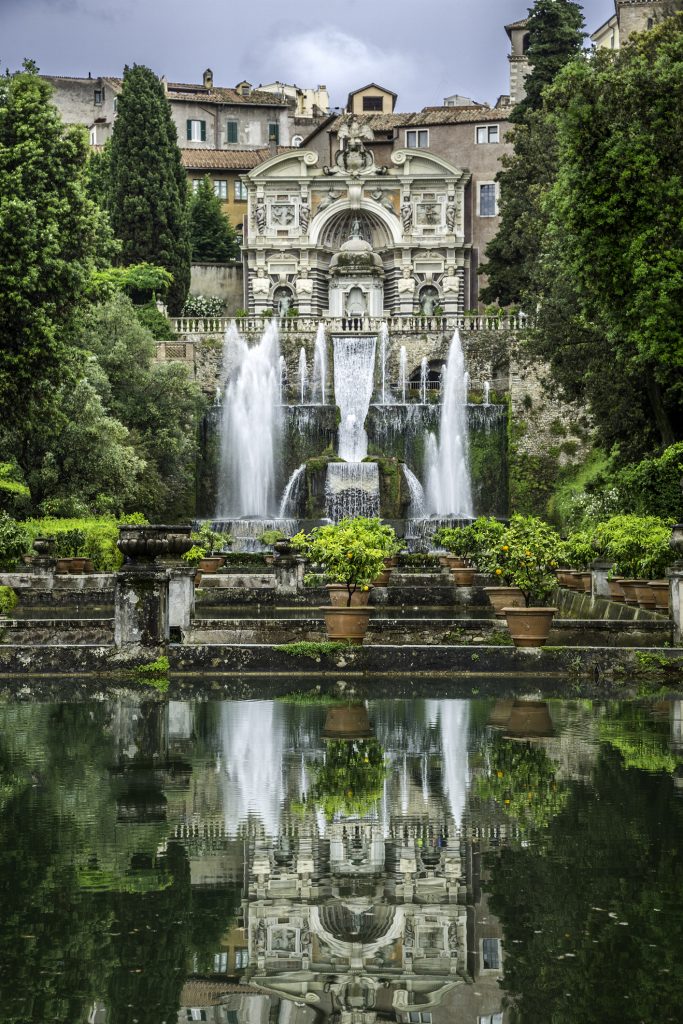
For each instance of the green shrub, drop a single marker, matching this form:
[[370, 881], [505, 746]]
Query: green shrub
[[15, 541], [93, 538], [638, 545], [203, 305], [8, 600], [578, 551], [154, 320], [351, 552], [270, 537], [653, 486]]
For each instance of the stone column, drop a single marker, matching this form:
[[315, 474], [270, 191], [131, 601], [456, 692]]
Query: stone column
[[675, 574], [599, 572], [181, 595], [141, 605]]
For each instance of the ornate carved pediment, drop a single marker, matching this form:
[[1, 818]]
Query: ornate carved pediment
[[353, 157]]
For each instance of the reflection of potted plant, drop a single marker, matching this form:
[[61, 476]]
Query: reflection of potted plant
[[351, 554], [521, 780], [530, 562], [347, 722]]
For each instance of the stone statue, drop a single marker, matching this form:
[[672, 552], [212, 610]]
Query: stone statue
[[283, 303], [303, 285], [332, 196], [260, 217], [406, 284], [354, 156], [304, 216], [260, 285], [408, 934], [451, 216], [305, 937], [453, 936], [261, 935], [428, 300], [450, 283], [407, 214], [355, 228], [378, 196]]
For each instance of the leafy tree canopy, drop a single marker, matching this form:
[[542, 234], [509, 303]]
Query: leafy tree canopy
[[212, 236]]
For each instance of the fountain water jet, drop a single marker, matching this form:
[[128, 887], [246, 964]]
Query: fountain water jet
[[449, 490], [384, 350], [403, 373], [290, 499], [423, 381], [303, 375], [354, 361], [250, 425], [320, 365]]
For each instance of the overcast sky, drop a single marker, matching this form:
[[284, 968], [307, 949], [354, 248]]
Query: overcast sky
[[421, 49]]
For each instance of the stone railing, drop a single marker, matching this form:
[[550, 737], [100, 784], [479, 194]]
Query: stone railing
[[400, 324]]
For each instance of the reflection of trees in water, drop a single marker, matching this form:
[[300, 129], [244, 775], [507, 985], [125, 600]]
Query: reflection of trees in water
[[522, 781], [593, 928], [351, 779]]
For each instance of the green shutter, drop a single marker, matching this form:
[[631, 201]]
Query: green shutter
[[203, 128], [189, 130], [232, 131], [274, 132]]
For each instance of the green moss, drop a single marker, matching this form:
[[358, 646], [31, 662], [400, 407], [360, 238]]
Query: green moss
[[154, 674], [312, 649]]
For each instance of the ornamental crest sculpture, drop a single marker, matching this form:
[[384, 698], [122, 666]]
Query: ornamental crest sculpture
[[353, 157]]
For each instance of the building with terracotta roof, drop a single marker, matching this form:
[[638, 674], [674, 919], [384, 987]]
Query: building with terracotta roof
[[225, 168], [631, 16]]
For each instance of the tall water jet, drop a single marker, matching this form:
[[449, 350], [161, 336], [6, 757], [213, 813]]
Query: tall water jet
[[423, 380], [403, 373], [354, 362], [283, 380], [289, 504], [320, 366], [384, 351], [487, 392], [449, 490], [303, 375], [250, 425], [417, 508]]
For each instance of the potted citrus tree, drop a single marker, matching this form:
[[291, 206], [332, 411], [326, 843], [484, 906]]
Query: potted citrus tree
[[459, 541], [577, 552], [351, 555], [532, 549], [639, 546]]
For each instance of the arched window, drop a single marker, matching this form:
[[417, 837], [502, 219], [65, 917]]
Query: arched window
[[525, 43]]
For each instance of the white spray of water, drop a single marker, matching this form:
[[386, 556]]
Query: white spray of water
[[283, 380], [320, 366], [354, 362], [403, 373], [250, 425], [423, 381], [252, 736], [303, 375], [487, 393], [449, 490], [418, 507], [384, 353]]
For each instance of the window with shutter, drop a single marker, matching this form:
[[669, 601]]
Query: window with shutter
[[274, 132], [203, 130], [189, 130], [232, 131]]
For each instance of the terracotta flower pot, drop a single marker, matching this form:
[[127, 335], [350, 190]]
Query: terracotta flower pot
[[339, 596], [443, 561], [391, 562], [529, 719], [660, 588], [455, 562], [80, 565], [645, 594], [63, 566], [504, 597], [383, 579], [463, 577], [630, 592], [350, 624], [585, 582], [350, 722], [529, 627], [615, 591], [500, 713], [572, 579], [212, 563]]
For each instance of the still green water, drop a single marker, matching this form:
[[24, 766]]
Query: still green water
[[462, 861]]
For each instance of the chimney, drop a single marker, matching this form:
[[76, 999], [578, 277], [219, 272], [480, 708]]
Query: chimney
[[164, 84], [207, 78]]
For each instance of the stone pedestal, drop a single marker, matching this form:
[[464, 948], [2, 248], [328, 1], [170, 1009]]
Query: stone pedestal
[[289, 574], [141, 605], [181, 595], [599, 572], [675, 574]]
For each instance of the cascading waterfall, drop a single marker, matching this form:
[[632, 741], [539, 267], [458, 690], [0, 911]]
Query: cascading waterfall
[[403, 373], [487, 393], [250, 425], [351, 490], [283, 380], [384, 352], [417, 507], [449, 490], [354, 362], [289, 504], [303, 375], [320, 366]]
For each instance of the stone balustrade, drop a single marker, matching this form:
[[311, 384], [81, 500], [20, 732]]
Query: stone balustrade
[[409, 323]]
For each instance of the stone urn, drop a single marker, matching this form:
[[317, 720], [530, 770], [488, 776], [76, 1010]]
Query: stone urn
[[142, 545], [44, 546], [676, 540], [347, 722]]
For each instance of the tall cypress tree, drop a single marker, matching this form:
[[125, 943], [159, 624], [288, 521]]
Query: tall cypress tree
[[148, 185], [212, 236], [555, 38]]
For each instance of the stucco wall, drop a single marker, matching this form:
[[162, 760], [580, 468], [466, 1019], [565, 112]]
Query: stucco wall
[[219, 280], [253, 121]]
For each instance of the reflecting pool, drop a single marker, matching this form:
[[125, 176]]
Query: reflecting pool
[[285, 862]]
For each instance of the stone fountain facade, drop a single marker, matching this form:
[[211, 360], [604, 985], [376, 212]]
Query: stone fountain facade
[[356, 239]]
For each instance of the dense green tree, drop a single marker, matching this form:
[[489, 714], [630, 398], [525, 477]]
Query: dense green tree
[[157, 403], [148, 185], [212, 236], [555, 37], [556, 34], [50, 237], [610, 277]]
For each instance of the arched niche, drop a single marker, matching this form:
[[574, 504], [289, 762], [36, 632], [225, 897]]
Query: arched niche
[[335, 226]]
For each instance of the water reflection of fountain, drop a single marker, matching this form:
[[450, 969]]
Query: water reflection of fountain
[[252, 740]]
